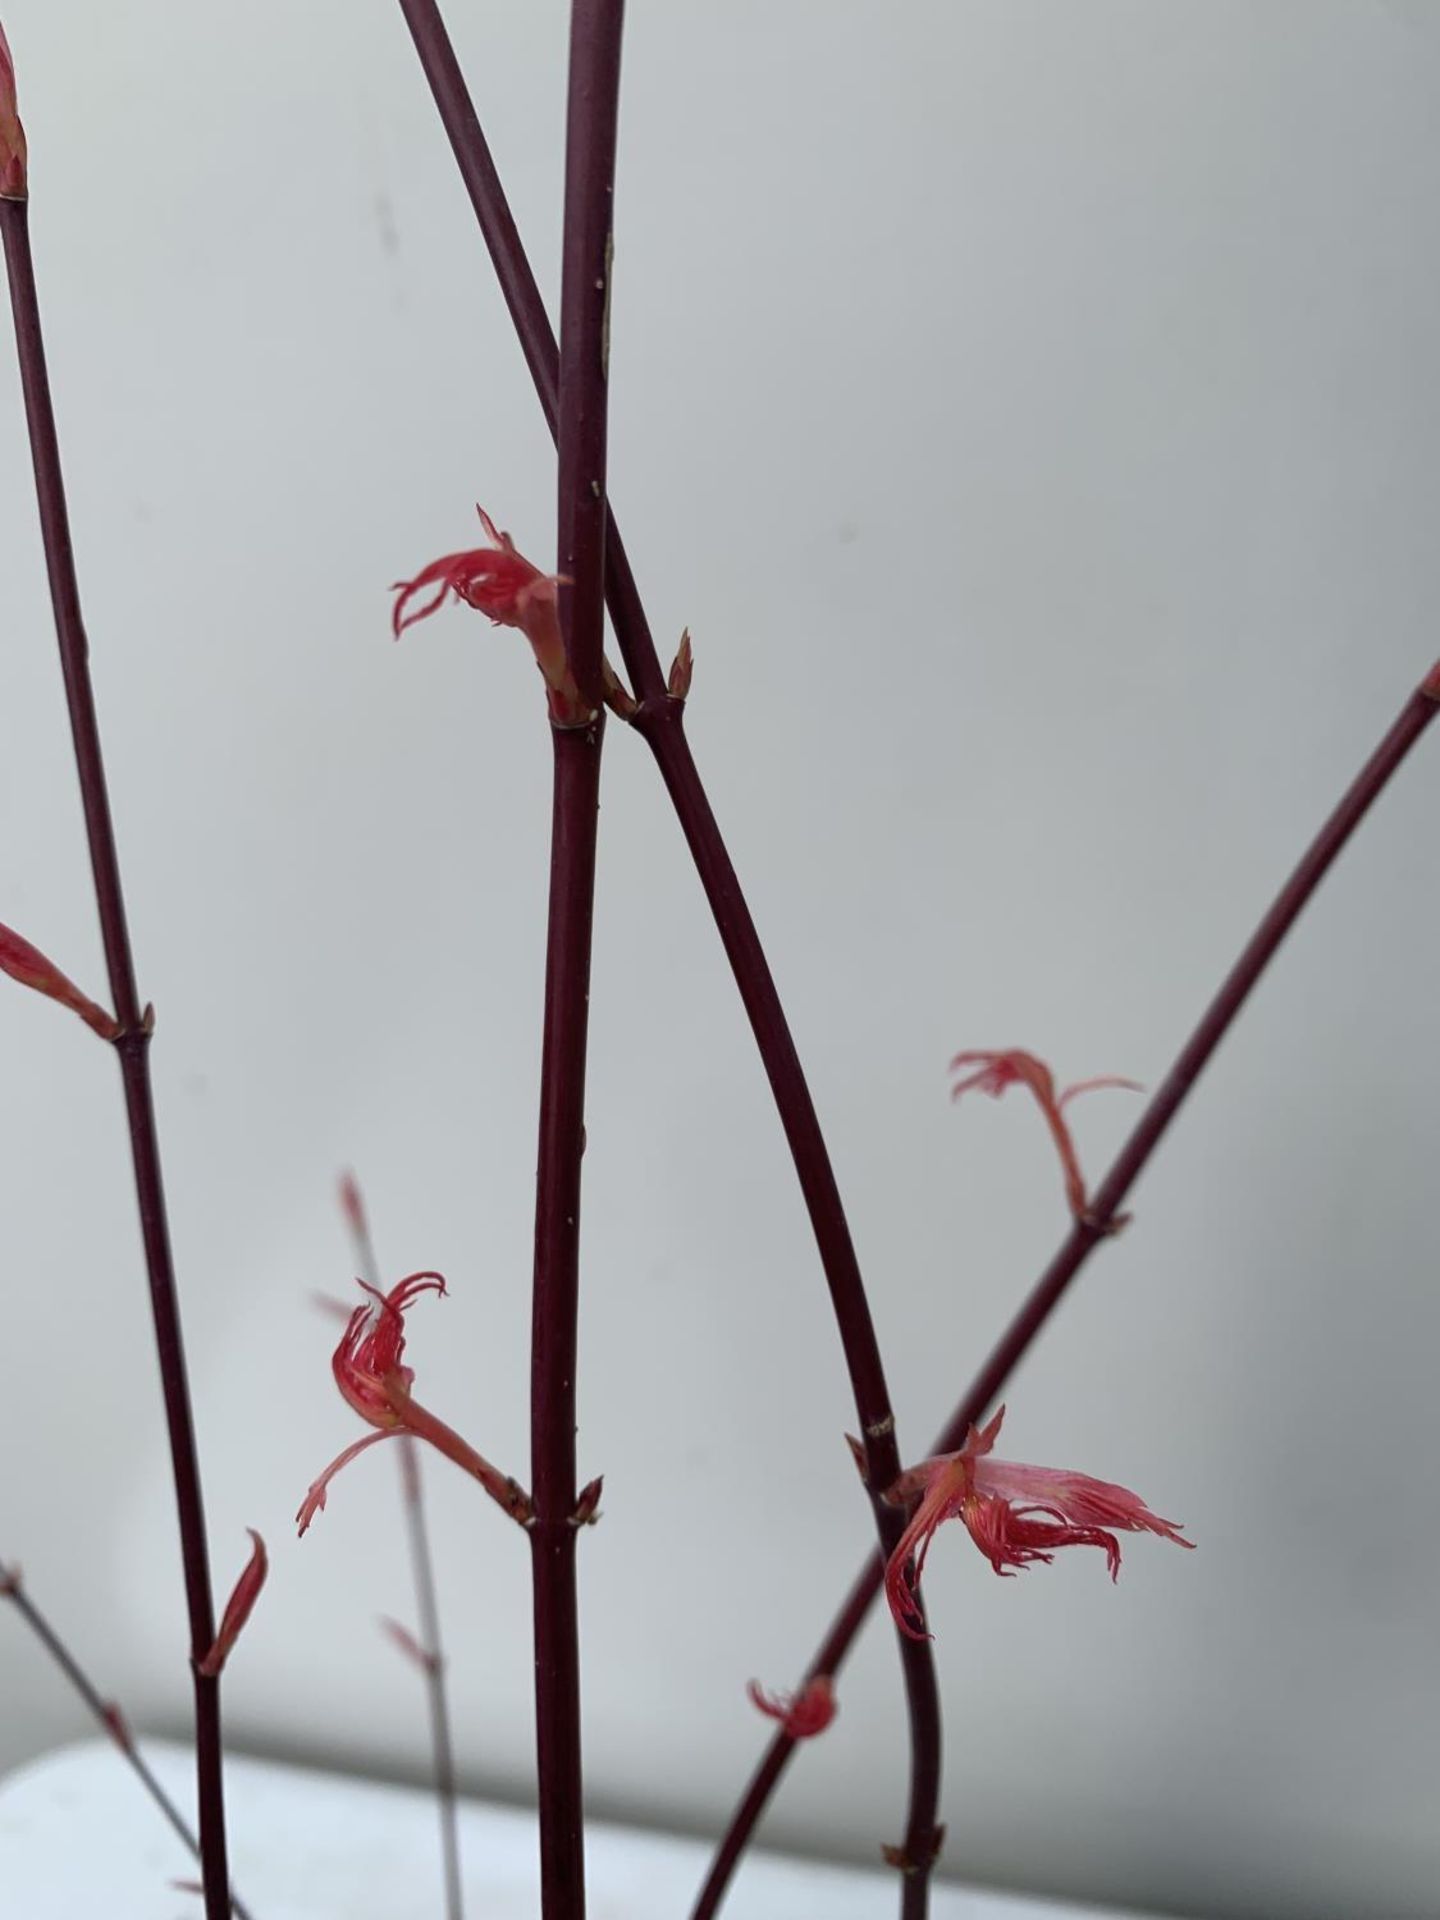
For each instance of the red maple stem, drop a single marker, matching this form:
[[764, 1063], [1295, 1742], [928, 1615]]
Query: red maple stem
[[103, 1711], [596, 28], [660, 720], [553, 1532], [132, 1044], [1109, 1197]]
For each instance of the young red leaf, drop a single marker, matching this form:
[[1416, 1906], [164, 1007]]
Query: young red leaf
[[33, 969], [587, 1506], [1012, 1067], [682, 669], [802, 1714], [1015, 1514], [499, 581], [369, 1370], [242, 1603]]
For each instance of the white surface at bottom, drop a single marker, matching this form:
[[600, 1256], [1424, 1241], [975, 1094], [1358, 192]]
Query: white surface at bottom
[[79, 1837]]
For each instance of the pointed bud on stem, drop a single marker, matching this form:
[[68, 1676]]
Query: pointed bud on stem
[[617, 695], [905, 1862], [682, 669], [587, 1507], [500, 582], [14, 179]]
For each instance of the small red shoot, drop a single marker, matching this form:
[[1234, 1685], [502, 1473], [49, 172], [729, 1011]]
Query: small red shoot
[[1015, 1514], [499, 581], [241, 1606], [802, 1714], [1010, 1067], [369, 1370], [33, 969]]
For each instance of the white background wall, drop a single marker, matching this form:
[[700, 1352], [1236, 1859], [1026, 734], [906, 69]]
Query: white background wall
[[1032, 410]]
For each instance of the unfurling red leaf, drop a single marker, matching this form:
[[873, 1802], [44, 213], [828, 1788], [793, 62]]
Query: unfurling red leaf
[[34, 969], [242, 1603]]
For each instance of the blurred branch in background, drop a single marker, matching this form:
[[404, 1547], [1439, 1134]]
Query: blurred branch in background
[[426, 1648], [106, 1713]]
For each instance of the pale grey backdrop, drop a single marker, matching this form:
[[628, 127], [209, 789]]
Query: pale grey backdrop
[[1032, 410]]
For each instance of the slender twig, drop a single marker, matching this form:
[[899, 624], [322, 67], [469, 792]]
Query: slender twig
[[105, 1712], [660, 721], [427, 1609], [132, 1044], [1109, 1197], [554, 1322], [596, 27], [422, 1567]]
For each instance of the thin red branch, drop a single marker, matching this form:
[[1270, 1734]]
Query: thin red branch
[[553, 1530], [662, 727], [588, 248], [105, 1713], [596, 28], [660, 720], [132, 1043], [1109, 1197]]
